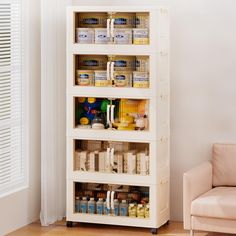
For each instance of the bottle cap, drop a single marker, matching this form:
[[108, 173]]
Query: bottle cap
[[91, 199], [116, 200], [77, 198], [84, 198], [100, 199], [123, 201]]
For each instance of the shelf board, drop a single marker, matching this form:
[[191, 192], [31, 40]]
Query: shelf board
[[112, 220], [111, 178], [115, 135], [112, 92], [109, 49]]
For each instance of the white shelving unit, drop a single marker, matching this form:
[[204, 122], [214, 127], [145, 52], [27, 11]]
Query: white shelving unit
[[155, 97]]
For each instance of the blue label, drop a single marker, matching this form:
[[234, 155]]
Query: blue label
[[102, 36], [123, 211], [116, 211], [84, 76], [83, 36], [92, 209], [120, 21], [90, 21], [90, 63], [83, 208], [120, 77], [120, 63], [100, 210], [106, 211], [119, 36]]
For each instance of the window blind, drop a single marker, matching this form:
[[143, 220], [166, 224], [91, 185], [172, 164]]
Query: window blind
[[12, 160]]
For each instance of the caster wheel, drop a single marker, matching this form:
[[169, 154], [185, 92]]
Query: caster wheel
[[69, 224], [154, 230]]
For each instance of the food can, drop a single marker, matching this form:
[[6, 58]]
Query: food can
[[123, 63], [92, 20], [84, 35], [142, 63], [124, 20], [142, 20], [140, 79], [123, 36], [123, 79], [101, 36], [85, 77], [92, 62], [140, 36], [100, 78]]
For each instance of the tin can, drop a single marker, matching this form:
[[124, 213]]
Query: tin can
[[142, 20], [101, 36], [140, 36], [123, 79], [100, 78], [123, 36], [92, 19], [140, 79], [84, 35], [123, 63], [124, 20], [85, 77], [92, 62], [142, 63]]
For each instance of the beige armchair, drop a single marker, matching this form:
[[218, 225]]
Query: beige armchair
[[210, 193]]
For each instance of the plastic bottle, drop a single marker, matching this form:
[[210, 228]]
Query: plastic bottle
[[115, 211], [140, 211], [91, 206], [132, 210], [124, 208], [100, 206], [106, 210], [84, 205], [146, 210], [77, 204]]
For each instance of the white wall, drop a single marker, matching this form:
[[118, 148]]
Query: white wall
[[23, 207], [203, 84]]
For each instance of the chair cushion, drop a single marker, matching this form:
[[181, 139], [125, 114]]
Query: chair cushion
[[219, 202], [224, 163]]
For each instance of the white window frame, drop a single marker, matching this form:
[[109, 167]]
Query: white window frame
[[24, 184]]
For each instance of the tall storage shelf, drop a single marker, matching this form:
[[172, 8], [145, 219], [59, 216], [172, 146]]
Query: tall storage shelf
[[118, 113]]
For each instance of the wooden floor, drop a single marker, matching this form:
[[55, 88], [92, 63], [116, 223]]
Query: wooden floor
[[173, 229]]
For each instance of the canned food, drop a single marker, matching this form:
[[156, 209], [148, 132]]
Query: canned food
[[85, 77], [92, 20], [100, 78], [124, 20], [140, 36], [142, 20], [140, 79], [124, 63], [84, 35], [142, 63], [101, 36], [92, 62], [123, 79], [123, 36]]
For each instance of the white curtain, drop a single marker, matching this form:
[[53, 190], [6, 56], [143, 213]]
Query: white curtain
[[53, 110]]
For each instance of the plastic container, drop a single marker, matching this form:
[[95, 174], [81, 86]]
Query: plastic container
[[147, 210], [100, 78], [140, 211], [123, 79], [140, 36], [123, 208], [140, 79], [99, 206], [115, 211], [92, 62], [142, 64], [85, 77], [84, 205], [142, 20], [106, 211], [123, 36], [84, 35], [132, 210], [123, 63], [91, 206], [92, 19], [77, 204], [101, 36], [124, 20]]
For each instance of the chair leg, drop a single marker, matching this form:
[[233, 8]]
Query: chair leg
[[191, 232]]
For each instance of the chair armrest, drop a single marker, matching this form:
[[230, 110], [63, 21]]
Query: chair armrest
[[195, 182]]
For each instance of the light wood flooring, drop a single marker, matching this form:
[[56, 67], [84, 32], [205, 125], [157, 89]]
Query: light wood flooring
[[59, 229]]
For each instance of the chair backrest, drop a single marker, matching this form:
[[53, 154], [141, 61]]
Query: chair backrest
[[224, 164]]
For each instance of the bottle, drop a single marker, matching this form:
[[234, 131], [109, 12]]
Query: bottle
[[100, 206], [124, 208], [83, 205], [132, 210], [77, 204], [91, 206], [106, 210], [146, 210], [140, 211], [116, 207]]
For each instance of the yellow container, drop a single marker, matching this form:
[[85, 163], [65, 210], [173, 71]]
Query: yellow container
[[123, 79], [140, 36], [100, 78], [147, 210], [123, 63], [140, 211], [132, 210], [92, 62], [142, 20], [92, 20], [85, 77], [140, 79], [124, 20], [142, 63]]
